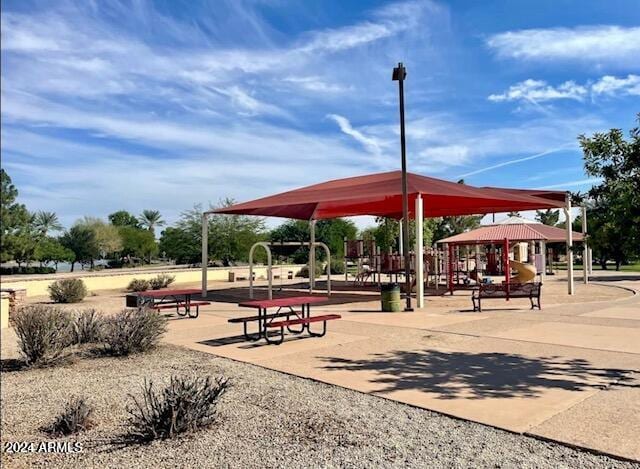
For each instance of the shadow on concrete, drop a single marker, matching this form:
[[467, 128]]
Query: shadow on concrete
[[462, 375]]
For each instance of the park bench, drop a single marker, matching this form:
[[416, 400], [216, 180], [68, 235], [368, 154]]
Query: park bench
[[304, 321], [247, 319], [507, 291], [177, 305]]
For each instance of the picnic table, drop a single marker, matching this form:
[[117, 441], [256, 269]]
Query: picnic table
[[169, 299], [281, 318]]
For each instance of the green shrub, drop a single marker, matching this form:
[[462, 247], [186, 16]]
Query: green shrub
[[185, 405], [87, 327], [304, 271], [68, 290], [44, 332], [161, 281], [138, 285], [337, 266], [75, 417], [133, 331]]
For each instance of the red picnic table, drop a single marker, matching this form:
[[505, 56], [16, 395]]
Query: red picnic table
[[169, 299], [302, 317]]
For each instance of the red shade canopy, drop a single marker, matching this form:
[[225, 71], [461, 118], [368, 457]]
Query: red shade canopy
[[381, 195]]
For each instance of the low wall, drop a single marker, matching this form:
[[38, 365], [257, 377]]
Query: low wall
[[4, 310], [118, 280]]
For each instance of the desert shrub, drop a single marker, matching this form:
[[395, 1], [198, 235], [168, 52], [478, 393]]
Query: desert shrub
[[304, 271], [161, 281], [87, 327], [337, 266], [132, 331], [75, 417], [186, 404], [68, 290], [44, 332], [138, 285]]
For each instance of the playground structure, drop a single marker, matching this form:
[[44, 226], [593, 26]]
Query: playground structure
[[268, 248]]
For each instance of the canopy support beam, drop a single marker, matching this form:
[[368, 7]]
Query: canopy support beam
[[312, 255], [585, 248], [419, 266], [567, 214], [205, 252]]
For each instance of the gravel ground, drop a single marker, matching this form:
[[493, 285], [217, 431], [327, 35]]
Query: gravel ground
[[266, 419]]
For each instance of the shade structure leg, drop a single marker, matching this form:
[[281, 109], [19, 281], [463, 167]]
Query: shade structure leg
[[585, 248], [419, 254], [205, 252], [567, 213], [312, 255]]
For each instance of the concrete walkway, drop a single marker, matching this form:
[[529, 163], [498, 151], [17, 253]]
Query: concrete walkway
[[570, 373]]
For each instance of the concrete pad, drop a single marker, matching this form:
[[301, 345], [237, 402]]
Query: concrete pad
[[578, 335], [416, 320], [618, 312], [607, 421]]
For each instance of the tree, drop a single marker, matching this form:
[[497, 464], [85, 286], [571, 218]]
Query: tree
[[548, 217], [123, 218], [108, 239], [81, 240], [51, 250], [15, 223], [137, 242], [46, 222], [180, 245], [513, 214], [149, 219], [614, 203], [231, 236]]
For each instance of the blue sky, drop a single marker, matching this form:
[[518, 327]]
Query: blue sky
[[109, 105]]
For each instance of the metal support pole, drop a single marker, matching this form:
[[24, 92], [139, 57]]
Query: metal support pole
[[312, 255], [590, 257], [585, 250], [346, 275], [205, 252], [567, 213], [400, 237], [419, 254]]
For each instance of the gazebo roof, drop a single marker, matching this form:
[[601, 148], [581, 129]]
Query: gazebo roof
[[512, 232], [381, 195]]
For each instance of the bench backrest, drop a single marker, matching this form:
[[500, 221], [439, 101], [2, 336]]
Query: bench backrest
[[490, 289]]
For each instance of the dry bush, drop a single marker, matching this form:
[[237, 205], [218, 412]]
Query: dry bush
[[44, 332], [161, 281], [88, 326], [68, 290], [75, 417], [133, 331], [138, 285], [185, 405]]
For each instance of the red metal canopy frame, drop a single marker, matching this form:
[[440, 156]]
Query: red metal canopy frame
[[380, 194]]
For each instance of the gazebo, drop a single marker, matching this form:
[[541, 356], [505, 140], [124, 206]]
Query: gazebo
[[514, 232], [380, 194]]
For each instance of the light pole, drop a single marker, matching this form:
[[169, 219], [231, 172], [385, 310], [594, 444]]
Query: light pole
[[399, 74]]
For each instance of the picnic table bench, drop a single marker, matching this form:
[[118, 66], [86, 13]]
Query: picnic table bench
[[169, 299], [266, 321], [512, 290]]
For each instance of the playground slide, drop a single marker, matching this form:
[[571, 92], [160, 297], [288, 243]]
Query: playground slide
[[526, 272]]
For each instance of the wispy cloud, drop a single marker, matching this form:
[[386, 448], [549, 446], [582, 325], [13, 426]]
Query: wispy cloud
[[613, 45], [538, 91], [581, 182], [370, 143]]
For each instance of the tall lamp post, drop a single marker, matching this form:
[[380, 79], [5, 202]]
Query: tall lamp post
[[399, 74]]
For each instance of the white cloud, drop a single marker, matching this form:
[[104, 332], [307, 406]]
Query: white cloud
[[614, 45], [540, 91], [370, 143], [449, 155], [316, 84], [611, 85], [580, 182]]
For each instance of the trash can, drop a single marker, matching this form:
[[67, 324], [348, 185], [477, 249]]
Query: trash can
[[390, 297], [232, 276]]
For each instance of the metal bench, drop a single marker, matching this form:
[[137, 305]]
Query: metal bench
[[513, 290], [304, 322]]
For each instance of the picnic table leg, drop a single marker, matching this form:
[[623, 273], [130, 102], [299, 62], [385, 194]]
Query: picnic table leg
[[188, 307]]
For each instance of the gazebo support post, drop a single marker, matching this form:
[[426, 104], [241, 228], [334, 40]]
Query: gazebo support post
[[450, 267], [205, 252], [585, 248], [505, 263], [400, 246], [312, 255], [419, 267], [543, 253], [567, 214]]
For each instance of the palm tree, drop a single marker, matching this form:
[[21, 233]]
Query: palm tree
[[46, 221], [150, 219]]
